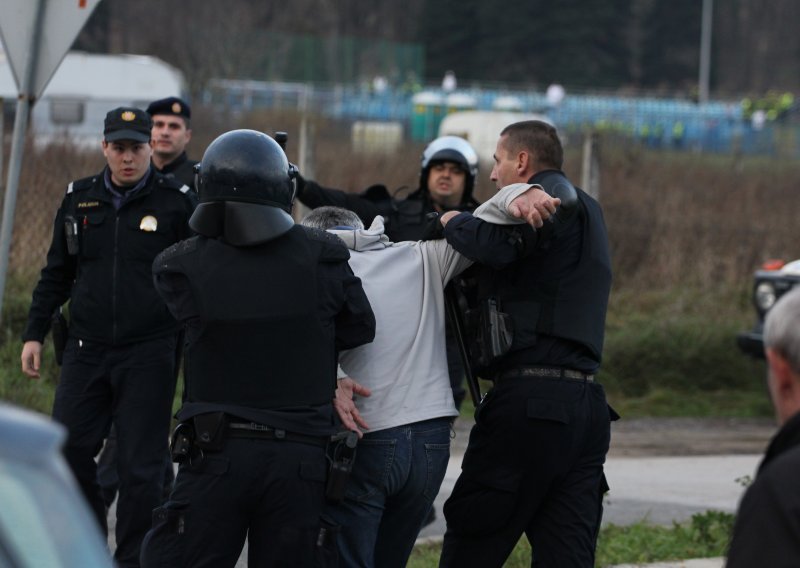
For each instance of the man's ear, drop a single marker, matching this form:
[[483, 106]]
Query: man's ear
[[523, 163], [782, 372]]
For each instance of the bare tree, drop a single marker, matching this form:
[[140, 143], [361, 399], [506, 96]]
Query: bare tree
[[755, 45]]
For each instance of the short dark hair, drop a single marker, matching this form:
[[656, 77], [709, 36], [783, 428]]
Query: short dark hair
[[538, 138], [328, 217]]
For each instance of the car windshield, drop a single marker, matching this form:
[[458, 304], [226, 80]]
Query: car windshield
[[43, 522]]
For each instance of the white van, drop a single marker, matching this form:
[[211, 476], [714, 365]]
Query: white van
[[86, 86]]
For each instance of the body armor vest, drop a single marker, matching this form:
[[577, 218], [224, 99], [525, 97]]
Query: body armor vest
[[562, 289], [256, 345]]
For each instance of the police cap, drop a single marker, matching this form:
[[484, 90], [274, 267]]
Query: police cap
[[127, 123], [170, 105]]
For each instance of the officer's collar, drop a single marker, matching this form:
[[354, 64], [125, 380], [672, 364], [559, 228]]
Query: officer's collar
[[174, 164], [129, 194]]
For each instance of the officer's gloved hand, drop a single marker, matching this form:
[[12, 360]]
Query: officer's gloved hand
[[433, 228]]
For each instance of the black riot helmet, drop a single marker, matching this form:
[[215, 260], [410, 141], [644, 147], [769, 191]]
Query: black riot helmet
[[451, 149], [246, 188]]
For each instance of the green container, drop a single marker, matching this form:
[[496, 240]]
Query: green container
[[426, 115]]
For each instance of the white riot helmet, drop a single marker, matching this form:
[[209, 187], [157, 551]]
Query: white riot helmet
[[451, 149]]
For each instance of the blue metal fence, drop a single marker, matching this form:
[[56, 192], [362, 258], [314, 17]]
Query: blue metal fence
[[715, 126]]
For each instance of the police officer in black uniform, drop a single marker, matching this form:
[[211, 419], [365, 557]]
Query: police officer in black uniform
[[440, 189], [267, 305], [534, 463], [446, 183], [119, 363], [172, 131], [170, 134]]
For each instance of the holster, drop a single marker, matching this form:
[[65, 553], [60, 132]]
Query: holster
[[491, 332], [181, 444], [209, 431], [342, 459]]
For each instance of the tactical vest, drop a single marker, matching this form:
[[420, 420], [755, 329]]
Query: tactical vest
[[260, 342], [408, 219], [561, 290]]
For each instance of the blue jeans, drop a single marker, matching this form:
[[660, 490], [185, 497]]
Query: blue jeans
[[396, 476]]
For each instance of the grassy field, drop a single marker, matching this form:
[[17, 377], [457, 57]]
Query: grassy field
[[705, 536]]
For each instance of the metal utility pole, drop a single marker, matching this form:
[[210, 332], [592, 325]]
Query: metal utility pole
[[705, 52], [36, 37], [24, 102], [590, 178]]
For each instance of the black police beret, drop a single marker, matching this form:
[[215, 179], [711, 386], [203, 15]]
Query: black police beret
[[170, 105]]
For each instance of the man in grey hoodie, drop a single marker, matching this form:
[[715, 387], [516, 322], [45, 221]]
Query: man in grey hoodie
[[406, 403]]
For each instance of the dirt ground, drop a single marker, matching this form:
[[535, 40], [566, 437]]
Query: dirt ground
[[690, 436], [641, 437]]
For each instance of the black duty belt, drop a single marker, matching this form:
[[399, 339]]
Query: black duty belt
[[261, 432], [546, 372]]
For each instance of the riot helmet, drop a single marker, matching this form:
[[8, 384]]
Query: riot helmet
[[246, 188], [451, 149]]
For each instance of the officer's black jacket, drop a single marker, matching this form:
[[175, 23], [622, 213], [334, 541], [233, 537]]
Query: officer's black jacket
[[554, 283], [767, 528], [109, 282], [182, 169], [404, 220], [264, 325]]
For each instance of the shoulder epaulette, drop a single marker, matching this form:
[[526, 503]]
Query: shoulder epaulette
[[81, 184], [333, 248]]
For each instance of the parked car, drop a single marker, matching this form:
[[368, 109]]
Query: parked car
[[44, 519], [771, 282]]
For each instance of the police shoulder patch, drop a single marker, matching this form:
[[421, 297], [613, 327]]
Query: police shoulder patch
[[333, 248], [81, 184], [171, 183]]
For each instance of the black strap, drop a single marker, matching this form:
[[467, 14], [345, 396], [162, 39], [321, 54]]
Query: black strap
[[260, 432], [546, 372]]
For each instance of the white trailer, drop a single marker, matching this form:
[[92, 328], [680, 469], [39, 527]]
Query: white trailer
[[481, 128], [86, 86]]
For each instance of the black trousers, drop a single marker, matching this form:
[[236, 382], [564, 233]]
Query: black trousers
[[107, 476], [533, 465], [107, 462], [131, 386], [268, 491]]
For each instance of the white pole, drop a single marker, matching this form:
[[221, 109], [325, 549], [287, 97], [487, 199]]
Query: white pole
[[24, 102]]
